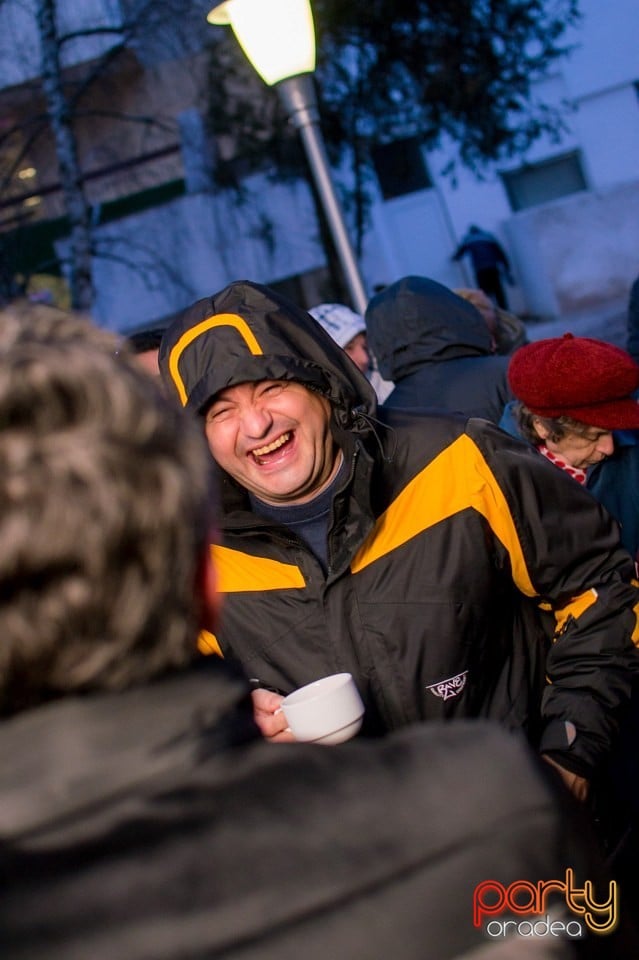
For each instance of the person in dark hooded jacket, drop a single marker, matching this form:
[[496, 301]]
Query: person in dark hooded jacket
[[437, 349], [409, 550]]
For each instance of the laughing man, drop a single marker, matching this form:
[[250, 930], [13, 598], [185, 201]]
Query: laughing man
[[414, 551]]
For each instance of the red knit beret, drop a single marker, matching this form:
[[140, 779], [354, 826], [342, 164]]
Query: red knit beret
[[588, 380]]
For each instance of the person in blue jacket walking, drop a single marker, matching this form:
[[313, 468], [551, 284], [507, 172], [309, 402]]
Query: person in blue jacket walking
[[489, 263]]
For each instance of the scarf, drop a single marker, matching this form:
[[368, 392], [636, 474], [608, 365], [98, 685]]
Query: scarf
[[575, 472]]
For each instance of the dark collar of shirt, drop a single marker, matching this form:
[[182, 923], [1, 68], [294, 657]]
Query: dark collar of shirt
[[308, 520]]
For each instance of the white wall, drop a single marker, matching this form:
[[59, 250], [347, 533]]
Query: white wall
[[581, 252], [162, 260], [606, 53], [608, 129]]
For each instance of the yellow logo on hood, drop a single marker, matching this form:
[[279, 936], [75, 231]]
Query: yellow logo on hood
[[187, 338]]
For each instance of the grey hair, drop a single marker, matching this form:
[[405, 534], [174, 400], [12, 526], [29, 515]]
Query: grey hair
[[105, 502], [557, 427]]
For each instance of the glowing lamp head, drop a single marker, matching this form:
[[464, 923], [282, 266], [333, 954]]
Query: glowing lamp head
[[277, 36]]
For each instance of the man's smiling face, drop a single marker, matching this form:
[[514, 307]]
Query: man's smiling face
[[273, 437]]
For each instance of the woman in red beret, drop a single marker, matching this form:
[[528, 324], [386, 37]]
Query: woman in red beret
[[575, 404]]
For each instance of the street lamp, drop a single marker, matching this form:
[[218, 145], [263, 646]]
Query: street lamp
[[278, 38]]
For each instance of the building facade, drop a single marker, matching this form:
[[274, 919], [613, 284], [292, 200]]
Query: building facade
[[566, 212]]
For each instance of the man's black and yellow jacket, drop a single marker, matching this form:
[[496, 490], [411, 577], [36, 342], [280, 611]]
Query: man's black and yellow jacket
[[451, 548]]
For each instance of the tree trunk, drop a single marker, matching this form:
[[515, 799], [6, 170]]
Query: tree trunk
[[77, 208]]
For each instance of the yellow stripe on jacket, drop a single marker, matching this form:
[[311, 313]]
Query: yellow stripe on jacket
[[457, 479], [239, 572]]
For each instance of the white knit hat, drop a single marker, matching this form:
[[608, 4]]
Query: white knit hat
[[339, 321]]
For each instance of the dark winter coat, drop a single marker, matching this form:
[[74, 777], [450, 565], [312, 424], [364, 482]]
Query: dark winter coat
[[155, 825], [437, 349], [614, 481], [632, 322], [444, 535], [483, 249]]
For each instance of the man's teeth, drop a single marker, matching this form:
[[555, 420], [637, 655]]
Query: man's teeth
[[270, 447]]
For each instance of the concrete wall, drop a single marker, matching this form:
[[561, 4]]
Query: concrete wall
[[580, 253], [160, 261]]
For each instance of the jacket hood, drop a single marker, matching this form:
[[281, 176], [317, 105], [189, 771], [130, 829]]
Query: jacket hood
[[417, 320], [248, 332]]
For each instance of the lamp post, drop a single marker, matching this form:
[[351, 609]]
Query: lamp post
[[278, 38]]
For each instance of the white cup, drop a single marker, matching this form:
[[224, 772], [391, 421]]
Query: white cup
[[325, 711]]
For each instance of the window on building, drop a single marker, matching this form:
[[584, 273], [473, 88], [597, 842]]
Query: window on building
[[542, 182], [401, 168]]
